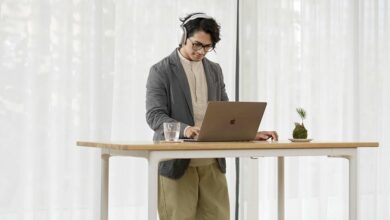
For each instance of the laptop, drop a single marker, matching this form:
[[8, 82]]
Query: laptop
[[230, 121]]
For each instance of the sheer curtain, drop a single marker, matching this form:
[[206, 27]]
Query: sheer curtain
[[76, 70], [331, 58]]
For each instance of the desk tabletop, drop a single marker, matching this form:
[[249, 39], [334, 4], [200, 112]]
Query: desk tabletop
[[165, 146]]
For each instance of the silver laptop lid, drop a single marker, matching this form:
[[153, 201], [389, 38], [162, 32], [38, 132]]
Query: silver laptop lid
[[231, 121]]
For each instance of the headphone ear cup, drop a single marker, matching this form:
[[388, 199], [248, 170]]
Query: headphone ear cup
[[184, 36]]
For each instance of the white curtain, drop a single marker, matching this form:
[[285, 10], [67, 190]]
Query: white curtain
[[330, 57], [76, 70]]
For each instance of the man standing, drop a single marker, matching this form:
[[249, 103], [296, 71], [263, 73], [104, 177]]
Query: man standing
[[178, 89]]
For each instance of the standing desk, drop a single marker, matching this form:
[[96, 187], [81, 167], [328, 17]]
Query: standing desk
[[154, 152]]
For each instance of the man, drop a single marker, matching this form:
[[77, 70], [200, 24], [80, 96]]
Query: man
[[178, 89]]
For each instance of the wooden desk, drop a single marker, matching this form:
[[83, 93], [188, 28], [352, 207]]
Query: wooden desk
[[155, 152]]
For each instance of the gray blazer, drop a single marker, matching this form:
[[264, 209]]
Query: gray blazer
[[168, 99]]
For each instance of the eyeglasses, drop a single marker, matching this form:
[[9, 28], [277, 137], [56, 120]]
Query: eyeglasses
[[197, 46]]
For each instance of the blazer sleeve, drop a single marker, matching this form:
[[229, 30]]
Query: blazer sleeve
[[157, 102], [224, 96]]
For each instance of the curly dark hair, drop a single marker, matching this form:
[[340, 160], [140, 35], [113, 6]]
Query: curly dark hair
[[208, 25]]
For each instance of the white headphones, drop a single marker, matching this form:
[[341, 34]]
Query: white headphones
[[192, 17]]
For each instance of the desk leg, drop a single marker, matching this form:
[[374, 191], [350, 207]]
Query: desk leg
[[280, 188], [353, 186], [152, 189], [104, 187]]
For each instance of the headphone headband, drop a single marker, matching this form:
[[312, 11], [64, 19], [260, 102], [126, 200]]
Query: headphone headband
[[196, 16]]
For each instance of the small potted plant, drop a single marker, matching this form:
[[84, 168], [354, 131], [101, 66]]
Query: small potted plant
[[300, 132]]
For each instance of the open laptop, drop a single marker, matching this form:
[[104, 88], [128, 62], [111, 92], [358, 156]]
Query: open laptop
[[231, 121]]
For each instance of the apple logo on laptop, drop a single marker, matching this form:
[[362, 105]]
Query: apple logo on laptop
[[233, 121]]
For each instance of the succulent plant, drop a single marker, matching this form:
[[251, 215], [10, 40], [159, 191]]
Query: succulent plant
[[300, 132]]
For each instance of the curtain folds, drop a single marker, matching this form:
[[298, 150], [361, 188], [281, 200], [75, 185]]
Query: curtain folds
[[329, 57], [76, 70]]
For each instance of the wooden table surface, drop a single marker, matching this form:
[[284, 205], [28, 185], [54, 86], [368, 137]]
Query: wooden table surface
[[163, 146]]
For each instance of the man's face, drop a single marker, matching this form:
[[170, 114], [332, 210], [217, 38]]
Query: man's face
[[197, 46]]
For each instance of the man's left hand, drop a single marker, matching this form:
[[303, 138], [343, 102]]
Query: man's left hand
[[265, 135]]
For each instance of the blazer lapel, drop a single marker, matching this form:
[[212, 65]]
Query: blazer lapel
[[210, 80], [181, 75]]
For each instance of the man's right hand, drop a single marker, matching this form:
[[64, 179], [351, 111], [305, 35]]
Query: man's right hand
[[191, 132]]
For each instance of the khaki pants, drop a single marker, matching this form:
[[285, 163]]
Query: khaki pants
[[200, 194]]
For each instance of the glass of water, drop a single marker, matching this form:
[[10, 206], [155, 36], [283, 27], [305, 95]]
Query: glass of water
[[171, 131]]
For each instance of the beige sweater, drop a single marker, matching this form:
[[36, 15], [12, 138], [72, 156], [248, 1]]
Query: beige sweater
[[198, 86]]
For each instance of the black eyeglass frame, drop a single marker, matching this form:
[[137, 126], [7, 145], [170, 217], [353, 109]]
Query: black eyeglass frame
[[197, 46]]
